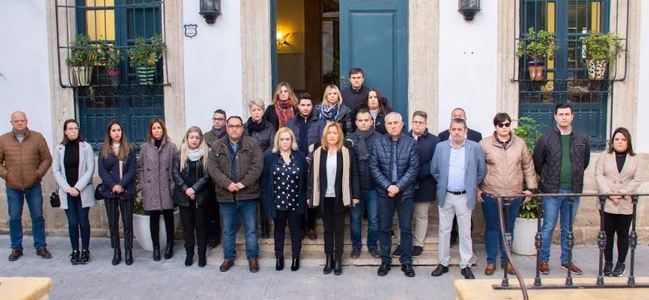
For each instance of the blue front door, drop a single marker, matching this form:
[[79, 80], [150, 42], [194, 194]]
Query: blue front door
[[374, 37]]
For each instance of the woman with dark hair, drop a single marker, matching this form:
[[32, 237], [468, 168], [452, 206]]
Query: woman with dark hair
[[116, 167], [74, 165], [283, 107], [154, 171], [191, 192], [378, 107], [333, 185], [333, 109], [283, 184], [618, 170]]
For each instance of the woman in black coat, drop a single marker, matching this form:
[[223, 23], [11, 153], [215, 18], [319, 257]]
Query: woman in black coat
[[191, 192], [333, 185], [378, 107], [284, 185], [333, 109]]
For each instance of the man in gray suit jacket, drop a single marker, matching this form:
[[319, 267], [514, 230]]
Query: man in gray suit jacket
[[458, 166]]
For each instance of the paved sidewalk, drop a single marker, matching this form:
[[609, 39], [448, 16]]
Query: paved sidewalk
[[170, 279]]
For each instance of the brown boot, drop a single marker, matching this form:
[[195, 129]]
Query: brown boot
[[490, 269], [226, 265], [509, 268], [253, 265], [544, 268]]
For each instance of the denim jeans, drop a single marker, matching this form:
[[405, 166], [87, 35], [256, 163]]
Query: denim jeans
[[493, 241], [404, 208], [552, 208], [369, 203], [15, 201], [78, 221], [229, 216]]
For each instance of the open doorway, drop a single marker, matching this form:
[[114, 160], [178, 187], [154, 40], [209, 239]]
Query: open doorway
[[307, 48]]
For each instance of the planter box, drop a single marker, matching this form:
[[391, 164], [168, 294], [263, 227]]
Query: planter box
[[81, 75], [597, 69], [142, 232], [145, 75], [524, 233]]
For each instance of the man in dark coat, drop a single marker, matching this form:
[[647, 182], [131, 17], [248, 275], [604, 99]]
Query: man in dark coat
[[356, 93]]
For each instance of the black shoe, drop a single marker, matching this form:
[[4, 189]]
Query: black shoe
[[156, 252], [338, 265], [74, 257], [202, 260], [213, 243], [441, 269], [295, 264], [608, 268], [408, 270], [383, 269], [117, 256], [417, 250], [375, 253], [279, 264], [189, 258], [169, 251], [356, 253], [397, 251], [128, 256], [85, 256], [15, 254], [329, 264], [619, 269], [468, 274]]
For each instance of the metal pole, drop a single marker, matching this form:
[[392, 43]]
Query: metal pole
[[538, 240], [503, 218], [508, 253], [633, 240], [570, 240], [601, 239]]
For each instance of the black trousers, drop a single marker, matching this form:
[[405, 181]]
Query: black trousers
[[293, 218], [617, 224], [194, 220], [154, 225], [309, 219], [213, 221], [334, 227], [113, 208]]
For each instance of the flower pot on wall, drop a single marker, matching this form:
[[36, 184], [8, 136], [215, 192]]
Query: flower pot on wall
[[114, 77], [597, 69], [81, 75], [536, 70], [524, 234], [145, 75], [143, 233]]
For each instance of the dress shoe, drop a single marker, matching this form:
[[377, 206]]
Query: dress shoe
[[74, 257], [85, 256], [441, 269], [509, 268], [189, 259], [202, 260], [383, 269], [338, 265], [608, 268], [279, 264], [397, 251], [544, 268], [226, 265], [117, 256], [295, 264], [156, 252], [213, 243], [417, 250], [128, 257], [408, 270], [467, 273], [573, 268], [356, 253], [490, 269], [253, 265], [42, 252], [329, 264], [169, 251], [375, 253], [312, 235], [619, 269], [15, 254]]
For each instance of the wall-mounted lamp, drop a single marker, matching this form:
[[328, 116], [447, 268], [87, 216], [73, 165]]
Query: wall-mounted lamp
[[468, 8], [282, 39], [210, 9]]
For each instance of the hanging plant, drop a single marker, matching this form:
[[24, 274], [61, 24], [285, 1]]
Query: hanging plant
[[83, 56], [538, 46], [110, 57], [601, 50], [144, 57]]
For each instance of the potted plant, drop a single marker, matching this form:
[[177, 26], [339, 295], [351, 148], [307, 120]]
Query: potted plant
[[144, 57], [83, 56], [601, 48], [526, 222], [110, 56], [539, 46]]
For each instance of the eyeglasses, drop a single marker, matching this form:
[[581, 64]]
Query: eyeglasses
[[501, 125]]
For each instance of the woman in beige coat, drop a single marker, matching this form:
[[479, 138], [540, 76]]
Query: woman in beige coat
[[617, 171]]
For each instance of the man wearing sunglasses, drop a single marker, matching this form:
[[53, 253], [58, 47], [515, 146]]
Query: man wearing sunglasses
[[509, 162]]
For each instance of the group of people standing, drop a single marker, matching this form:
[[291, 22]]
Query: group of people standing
[[292, 160]]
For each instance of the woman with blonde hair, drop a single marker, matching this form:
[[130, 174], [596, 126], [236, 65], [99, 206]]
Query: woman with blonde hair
[[333, 109], [283, 107], [191, 192], [284, 185], [333, 186]]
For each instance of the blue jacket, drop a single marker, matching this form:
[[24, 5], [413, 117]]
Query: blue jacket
[[426, 186], [407, 165], [475, 169], [108, 169], [268, 186]]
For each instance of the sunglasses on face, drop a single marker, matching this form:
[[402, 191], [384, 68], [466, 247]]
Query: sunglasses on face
[[501, 125]]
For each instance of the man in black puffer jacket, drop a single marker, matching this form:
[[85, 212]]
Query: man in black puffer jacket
[[394, 165], [560, 157]]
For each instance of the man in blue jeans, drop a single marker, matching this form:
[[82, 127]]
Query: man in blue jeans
[[24, 160], [235, 164], [560, 158], [363, 140]]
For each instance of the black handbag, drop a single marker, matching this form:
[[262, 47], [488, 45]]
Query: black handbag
[[98, 195], [55, 201]]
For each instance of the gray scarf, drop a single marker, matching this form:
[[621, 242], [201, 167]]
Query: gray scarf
[[194, 154]]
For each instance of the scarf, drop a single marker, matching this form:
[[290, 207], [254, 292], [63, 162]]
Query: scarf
[[253, 126], [284, 112], [218, 133], [363, 150], [346, 183], [194, 154], [329, 113]]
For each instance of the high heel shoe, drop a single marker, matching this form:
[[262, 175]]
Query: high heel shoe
[[295, 264], [117, 256]]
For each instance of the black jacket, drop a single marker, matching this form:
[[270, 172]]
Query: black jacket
[[354, 98], [271, 116], [108, 169], [547, 160], [268, 186], [264, 136], [426, 186], [181, 179], [322, 168], [472, 135], [365, 180], [314, 126], [407, 165], [344, 117]]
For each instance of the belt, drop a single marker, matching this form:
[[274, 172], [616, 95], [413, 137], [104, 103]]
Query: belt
[[456, 193]]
